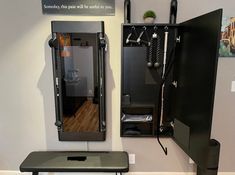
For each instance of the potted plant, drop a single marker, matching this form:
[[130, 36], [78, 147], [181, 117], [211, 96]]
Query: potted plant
[[149, 16]]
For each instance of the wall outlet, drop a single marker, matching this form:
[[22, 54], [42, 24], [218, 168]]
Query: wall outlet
[[132, 159], [233, 86]]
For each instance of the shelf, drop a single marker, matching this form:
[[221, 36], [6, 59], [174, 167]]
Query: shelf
[[136, 118]]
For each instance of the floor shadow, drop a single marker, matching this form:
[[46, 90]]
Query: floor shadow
[[45, 84]]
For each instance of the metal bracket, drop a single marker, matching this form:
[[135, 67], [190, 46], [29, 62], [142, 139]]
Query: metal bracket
[[102, 42], [175, 84], [58, 123], [103, 129], [178, 39], [127, 11]]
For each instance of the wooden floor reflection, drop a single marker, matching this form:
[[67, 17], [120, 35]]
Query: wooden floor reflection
[[86, 119]]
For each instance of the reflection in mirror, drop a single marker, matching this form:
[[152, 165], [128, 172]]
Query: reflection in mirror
[[79, 71], [78, 54]]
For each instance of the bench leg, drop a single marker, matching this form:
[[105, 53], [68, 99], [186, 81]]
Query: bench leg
[[34, 173]]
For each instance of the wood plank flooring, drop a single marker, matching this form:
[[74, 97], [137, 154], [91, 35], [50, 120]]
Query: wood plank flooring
[[86, 119]]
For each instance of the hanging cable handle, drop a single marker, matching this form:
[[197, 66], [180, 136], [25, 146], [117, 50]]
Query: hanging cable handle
[[147, 37], [133, 32], [140, 36], [157, 63], [152, 48], [161, 107], [140, 40], [165, 51]]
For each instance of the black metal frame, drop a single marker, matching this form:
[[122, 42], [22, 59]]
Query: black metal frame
[[91, 27]]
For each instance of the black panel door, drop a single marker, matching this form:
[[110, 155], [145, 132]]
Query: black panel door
[[195, 76]]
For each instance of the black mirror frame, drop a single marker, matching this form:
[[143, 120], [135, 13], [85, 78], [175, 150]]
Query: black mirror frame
[[93, 27]]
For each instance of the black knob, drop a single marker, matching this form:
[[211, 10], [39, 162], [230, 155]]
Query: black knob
[[52, 43], [58, 123]]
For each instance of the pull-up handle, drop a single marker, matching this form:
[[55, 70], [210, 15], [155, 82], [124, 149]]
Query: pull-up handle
[[139, 38], [127, 11], [173, 11]]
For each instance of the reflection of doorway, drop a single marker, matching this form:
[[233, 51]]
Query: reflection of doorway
[[85, 119]]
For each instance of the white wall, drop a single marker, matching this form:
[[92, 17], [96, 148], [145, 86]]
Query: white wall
[[26, 92]]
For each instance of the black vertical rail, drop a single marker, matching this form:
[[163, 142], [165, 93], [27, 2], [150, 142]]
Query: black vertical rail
[[53, 43], [127, 11], [102, 45]]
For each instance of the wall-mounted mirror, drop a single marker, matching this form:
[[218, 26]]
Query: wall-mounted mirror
[[78, 64]]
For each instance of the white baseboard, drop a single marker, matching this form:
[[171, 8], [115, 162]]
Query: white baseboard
[[161, 173], [174, 173], [130, 173]]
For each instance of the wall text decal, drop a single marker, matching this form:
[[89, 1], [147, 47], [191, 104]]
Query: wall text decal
[[79, 7]]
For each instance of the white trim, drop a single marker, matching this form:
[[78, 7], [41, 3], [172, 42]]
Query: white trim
[[161, 173], [174, 173], [130, 173]]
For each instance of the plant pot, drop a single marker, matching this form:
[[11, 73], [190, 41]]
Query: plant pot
[[149, 20]]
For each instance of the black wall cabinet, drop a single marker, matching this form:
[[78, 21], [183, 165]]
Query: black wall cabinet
[[142, 79], [168, 81]]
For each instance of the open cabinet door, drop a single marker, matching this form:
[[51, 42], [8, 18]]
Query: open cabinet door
[[195, 77]]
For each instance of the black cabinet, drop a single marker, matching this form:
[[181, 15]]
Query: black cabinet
[[142, 83], [171, 69], [168, 82]]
